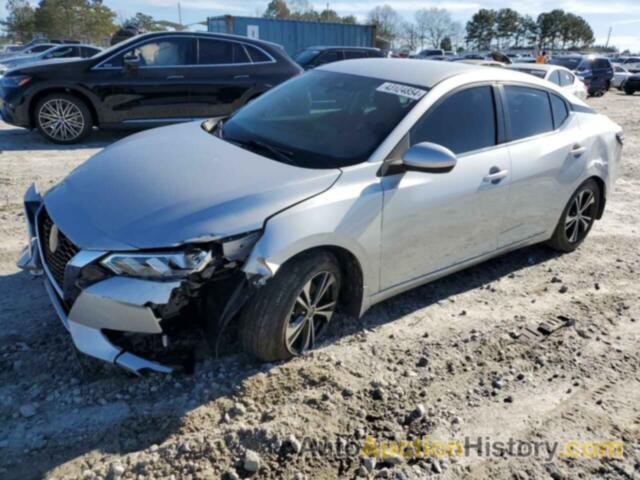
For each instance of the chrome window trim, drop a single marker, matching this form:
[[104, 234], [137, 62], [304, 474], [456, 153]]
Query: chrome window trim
[[100, 66]]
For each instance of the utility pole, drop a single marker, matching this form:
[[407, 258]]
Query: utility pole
[[179, 15], [606, 45]]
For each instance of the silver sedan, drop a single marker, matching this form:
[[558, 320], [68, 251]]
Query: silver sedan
[[336, 190]]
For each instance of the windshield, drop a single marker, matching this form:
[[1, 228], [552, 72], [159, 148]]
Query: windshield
[[571, 63], [532, 71], [306, 56], [322, 119]]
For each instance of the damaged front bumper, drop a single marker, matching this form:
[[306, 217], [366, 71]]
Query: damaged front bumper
[[106, 306]]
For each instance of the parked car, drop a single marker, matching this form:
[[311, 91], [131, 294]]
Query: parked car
[[620, 75], [632, 64], [632, 85], [313, 57], [596, 71], [152, 79], [53, 53], [430, 52], [273, 218], [10, 48], [28, 50], [561, 76]]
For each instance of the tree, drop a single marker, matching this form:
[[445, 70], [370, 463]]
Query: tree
[[480, 29], [446, 44], [506, 26], [277, 9], [20, 23], [527, 31], [387, 21], [75, 19], [435, 24], [143, 22]]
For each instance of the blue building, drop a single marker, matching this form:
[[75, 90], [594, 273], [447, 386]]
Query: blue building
[[295, 35]]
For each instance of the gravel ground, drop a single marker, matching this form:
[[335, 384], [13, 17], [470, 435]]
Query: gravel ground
[[448, 360]]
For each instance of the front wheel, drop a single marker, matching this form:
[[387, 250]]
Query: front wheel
[[287, 315], [63, 118], [577, 218], [629, 91]]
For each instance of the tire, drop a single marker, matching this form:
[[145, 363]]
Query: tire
[[565, 237], [276, 312], [62, 118], [629, 91]]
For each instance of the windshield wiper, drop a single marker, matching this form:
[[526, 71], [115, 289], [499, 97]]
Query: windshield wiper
[[253, 144]]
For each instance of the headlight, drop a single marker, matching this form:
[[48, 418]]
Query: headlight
[[158, 265], [13, 80]]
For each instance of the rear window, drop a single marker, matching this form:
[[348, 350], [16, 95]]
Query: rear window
[[354, 54], [559, 110], [219, 52], [566, 78], [571, 63], [529, 112], [257, 55], [306, 56], [555, 77]]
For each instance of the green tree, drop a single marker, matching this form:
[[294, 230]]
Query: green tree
[[277, 9], [75, 19], [446, 45], [480, 29], [20, 23], [144, 22], [526, 32], [506, 26]]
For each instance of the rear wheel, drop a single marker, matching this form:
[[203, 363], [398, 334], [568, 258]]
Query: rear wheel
[[629, 91], [63, 118], [288, 314], [577, 218]]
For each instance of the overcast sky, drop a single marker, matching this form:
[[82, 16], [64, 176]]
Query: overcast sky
[[622, 15]]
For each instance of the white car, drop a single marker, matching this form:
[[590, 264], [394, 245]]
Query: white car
[[620, 75], [632, 64], [563, 77]]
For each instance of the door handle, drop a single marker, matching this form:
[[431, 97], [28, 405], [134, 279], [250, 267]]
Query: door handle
[[495, 175], [175, 77], [578, 150]]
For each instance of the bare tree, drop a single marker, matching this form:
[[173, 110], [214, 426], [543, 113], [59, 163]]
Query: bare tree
[[387, 20], [434, 24]]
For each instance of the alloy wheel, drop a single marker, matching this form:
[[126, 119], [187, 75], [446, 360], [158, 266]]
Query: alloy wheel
[[312, 311], [580, 216], [61, 119]]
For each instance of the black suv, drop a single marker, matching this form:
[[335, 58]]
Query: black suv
[[596, 71], [315, 56], [151, 79]]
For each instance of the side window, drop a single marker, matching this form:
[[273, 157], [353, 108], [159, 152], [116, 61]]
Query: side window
[[354, 54], [463, 122], [559, 110], [529, 112], [566, 78], [89, 52], [328, 57], [555, 77], [64, 52], [601, 64], [169, 52], [257, 55]]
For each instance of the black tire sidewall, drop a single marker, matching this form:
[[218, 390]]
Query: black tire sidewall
[[560, 240], [86, 114]]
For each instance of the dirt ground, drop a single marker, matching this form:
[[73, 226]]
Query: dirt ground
[[450, 360]]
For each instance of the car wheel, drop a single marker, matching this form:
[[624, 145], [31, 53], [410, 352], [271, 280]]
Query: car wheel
[[577, 218], [287, 315], [63, 118], [629, 91]]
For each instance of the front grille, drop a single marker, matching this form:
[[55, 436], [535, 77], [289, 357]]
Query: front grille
[[56, 261]]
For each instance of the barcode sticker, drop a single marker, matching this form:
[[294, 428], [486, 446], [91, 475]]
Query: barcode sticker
[[402, 90]]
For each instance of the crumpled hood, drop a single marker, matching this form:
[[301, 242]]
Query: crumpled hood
[[166, 186]]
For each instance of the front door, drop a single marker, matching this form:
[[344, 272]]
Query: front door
[[433, 221], [154, 90]]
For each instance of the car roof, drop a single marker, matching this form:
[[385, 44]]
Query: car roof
[[341, 47], [223, 36], [424, 73], [536, 66]]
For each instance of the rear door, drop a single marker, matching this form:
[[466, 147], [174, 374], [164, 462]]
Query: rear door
[[544, 155], [432, 221], [154, 91], [225, 75]]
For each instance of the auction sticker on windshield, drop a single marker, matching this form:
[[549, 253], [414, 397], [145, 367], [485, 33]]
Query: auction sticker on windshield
[[402, 90]]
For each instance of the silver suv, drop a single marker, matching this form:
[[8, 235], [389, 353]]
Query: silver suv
[[338, 189]]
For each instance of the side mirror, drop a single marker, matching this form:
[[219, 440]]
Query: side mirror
[[429, 157], [131, 61]]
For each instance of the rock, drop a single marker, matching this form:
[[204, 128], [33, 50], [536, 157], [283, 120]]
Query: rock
[[117, 470], [393, 459], [498, 384], [378, 394], [88, 475], [508, 399], [369, 463], [295, 444], [583, 333], [347, 392], [554, 471], [230, 475], [362, 472], [422, 362], [456, 421], [416, 413], [251, 461], [27, 411], [435, 466], [555, 280], [563, 289]]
